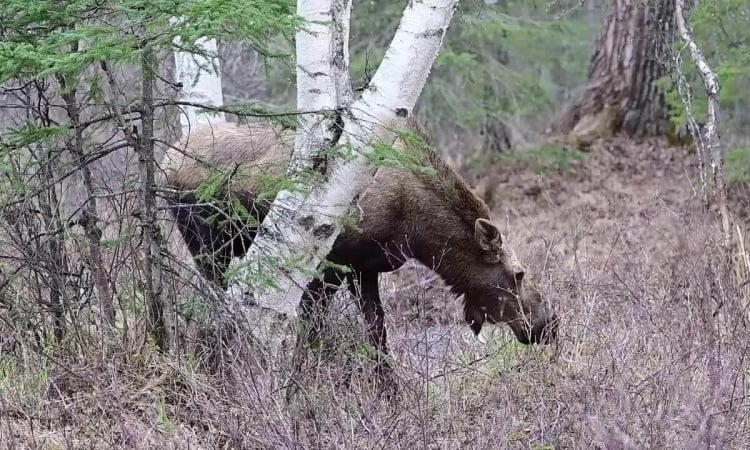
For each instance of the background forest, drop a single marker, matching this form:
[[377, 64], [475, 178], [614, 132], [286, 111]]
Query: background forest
[[655, 331]]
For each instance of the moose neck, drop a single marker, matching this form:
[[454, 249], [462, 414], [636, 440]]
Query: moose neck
[[440, 212], [445, 243]]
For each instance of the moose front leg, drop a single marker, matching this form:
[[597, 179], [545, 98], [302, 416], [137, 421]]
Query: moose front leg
[[371, 306], [368, 297]]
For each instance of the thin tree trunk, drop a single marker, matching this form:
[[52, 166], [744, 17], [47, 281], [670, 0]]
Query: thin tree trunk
[[89, 216], [710, 143], [53, 269], [299, 231], [159, 308], [57, 264], [629, 57]]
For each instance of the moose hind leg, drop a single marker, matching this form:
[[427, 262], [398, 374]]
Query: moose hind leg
[[314, 303], [312, 320], [206, 235]]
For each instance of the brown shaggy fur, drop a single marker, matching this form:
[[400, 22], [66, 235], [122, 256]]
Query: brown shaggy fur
[[406, 213]]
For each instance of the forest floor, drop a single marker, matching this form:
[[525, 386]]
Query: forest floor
[[651, 355]]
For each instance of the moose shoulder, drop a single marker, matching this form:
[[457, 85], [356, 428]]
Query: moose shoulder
[[430, 215]]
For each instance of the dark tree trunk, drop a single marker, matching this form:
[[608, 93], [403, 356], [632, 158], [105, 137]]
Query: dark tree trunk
[[630, 55], [496, 134], [158, 307]]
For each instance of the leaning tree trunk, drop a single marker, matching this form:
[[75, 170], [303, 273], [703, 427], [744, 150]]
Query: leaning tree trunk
[[299, 230], [629, 57]]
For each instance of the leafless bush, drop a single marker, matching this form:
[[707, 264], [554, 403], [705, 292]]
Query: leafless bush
[[652, 353]]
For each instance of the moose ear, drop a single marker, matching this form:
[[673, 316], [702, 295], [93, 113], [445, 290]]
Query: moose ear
[[487, 236]]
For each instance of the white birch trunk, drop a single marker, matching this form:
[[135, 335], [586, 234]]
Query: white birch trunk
[[303, 229], [201, 83], [711, 142], [323, 82]]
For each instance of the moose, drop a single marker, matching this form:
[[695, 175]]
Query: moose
[[407, 212]]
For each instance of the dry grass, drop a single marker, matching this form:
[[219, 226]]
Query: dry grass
[[653, 351]]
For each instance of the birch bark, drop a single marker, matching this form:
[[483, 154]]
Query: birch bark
[[200, 77], [710, 143], [299, 230]]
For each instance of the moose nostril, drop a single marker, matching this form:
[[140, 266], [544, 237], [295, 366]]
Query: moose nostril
[[519, 276]]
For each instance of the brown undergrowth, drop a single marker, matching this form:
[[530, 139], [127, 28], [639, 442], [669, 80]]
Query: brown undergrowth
[[653, 352]]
